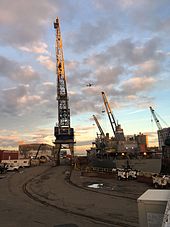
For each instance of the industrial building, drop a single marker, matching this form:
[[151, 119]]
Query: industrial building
[[8, 155], [35, 149], [162, 135]]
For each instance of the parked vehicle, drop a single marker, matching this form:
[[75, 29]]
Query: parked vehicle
[[3, 168], [35, 161], [43, 159], [126, 174], [12, 168], [17, 162], [132, 174], [121, 174], [160, 181]]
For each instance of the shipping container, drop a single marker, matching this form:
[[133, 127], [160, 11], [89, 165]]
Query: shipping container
[[8, 155], [17, 162]]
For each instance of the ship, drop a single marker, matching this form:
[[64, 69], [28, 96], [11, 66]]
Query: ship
[[132, 153]]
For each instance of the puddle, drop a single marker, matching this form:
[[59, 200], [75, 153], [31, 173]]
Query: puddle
[[95, 186]]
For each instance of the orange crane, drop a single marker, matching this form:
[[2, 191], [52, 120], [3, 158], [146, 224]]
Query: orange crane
[[99, 127], [101, 138], [63, 133], [117, 131]]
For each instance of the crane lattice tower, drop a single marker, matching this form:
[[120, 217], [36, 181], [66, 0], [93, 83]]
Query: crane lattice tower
[[64, 134]]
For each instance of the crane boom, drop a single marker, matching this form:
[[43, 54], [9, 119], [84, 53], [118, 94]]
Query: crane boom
[[155, 118], [117, 130], [110, 114], [99, 127]]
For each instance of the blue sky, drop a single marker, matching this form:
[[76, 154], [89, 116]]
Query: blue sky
[[120, 46]]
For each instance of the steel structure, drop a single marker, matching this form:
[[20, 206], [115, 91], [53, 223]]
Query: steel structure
[[63, 133], [99, 127], [155, 118], [109, 113], [118, 132]]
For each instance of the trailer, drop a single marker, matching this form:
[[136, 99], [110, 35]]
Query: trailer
[[17, 163]]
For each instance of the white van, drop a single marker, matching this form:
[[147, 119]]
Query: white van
[[17, 162]]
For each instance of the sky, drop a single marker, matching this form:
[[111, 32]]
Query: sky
[[121, 47]]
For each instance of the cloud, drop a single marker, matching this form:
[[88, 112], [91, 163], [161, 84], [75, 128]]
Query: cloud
[[137, 84], [14, 71], [133, 53], [120, 47], [156, 22], [12, 138], [23, 22], [37, 47], [47, 62], [136, 12], [150, 67], [90, 34], [41, 136], [17, 100], [9, 138], [127, 71], [112, 74]]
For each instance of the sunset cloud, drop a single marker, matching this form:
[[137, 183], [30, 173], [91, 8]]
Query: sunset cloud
[[47, 62], [38, 48], [113, 46]]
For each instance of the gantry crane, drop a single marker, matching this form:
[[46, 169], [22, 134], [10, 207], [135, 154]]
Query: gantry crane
[[63, 133], [99, 127]]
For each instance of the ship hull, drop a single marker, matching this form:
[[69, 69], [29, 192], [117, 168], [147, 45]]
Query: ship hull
[[145, 165]]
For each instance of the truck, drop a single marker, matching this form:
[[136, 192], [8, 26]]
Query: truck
[[17, 163], [126, 174], [160, 181]]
